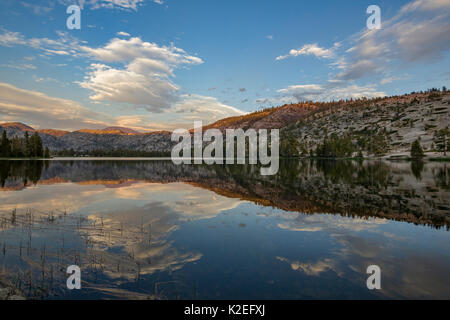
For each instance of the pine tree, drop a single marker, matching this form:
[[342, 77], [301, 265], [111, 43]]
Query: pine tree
[[27, 145], [416, 150], [47, 153], [289, 147], [5, 150], [440, 140]]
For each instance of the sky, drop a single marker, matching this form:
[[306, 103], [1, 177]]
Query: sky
[[162, 64]]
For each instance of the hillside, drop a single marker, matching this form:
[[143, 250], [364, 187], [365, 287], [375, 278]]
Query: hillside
[[369, 127], [85, 140], [394, 123], [267, 118], [112, 130]]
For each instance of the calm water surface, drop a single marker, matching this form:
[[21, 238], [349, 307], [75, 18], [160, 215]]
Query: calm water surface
[[154, 230]]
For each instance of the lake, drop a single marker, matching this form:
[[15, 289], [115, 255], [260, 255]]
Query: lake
[[149, 229]]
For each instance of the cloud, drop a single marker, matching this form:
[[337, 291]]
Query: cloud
[[358, 70], [122, 50], [310, 49], [144, 80], [122, 33], [107, 4], [418, 33], [137, 73], [127, 86], [332, 91], [207, 109], [39, 9], [64, 45], [425, 5], [23, 66], [9, 38], [42, 111], [310, 269], [390, 79]]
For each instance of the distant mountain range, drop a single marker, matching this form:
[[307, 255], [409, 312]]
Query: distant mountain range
[[84, 140], [400, 119]]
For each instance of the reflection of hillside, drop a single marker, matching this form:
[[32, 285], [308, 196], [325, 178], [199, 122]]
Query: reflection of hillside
[[417, 193]]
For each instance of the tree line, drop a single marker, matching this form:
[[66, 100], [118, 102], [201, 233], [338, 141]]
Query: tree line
[[111, 153], [26, 147]]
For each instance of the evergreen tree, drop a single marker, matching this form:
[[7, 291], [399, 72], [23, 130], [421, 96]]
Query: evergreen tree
[[416, 150], [27, 145], [378, 144], [289, 147], [36, 148], [440, 140], [5, 150], [47, 153], [335, 147]]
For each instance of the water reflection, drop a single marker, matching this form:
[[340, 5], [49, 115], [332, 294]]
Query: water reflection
[[150, 229]]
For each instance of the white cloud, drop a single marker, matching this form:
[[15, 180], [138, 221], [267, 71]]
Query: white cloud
[[107, 4], [64, 45], [43, 111], [331, 91], [127, 86], [419, 32], [358, 70], [391, 79], [121, 50], [207, 109], [310, 49], [122, 33], [137, 73], [310, 269], [9, 38], [39, 9], [144, 80], [23, 66], [425, 5]]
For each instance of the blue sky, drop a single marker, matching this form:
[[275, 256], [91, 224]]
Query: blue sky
[[154, 65]]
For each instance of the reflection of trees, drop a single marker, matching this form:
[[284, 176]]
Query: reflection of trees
[[417, 168], [363, 188], [24, 171], [442, 178]]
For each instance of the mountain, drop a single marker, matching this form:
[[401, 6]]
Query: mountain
[[17, 126], [112, 130], [266, 119], [122, 129], [374, 127], [85, 140], [53, 132], [382, 126]]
